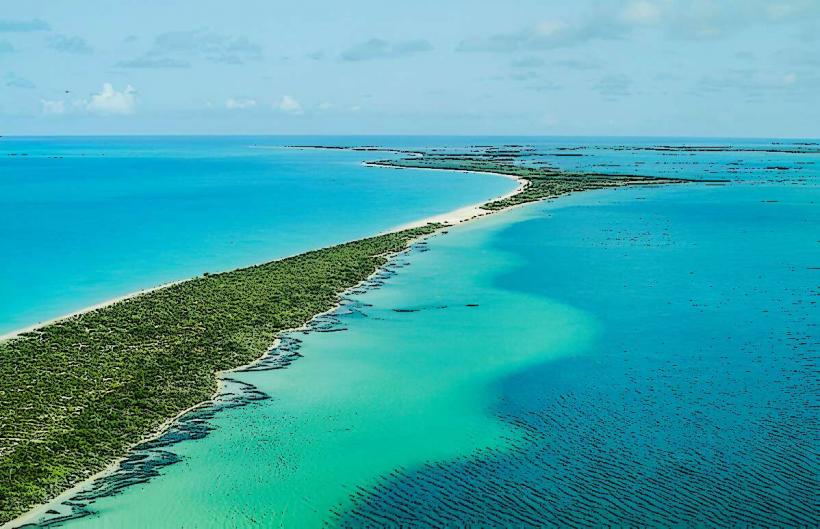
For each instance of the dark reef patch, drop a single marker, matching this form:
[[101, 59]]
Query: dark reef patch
[[701, 415]]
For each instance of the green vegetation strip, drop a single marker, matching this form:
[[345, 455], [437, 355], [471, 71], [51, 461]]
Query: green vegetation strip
[[77, 394], [541, 182]]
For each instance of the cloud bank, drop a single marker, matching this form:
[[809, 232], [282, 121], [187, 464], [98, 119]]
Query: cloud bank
[[23, 26], [382, 49], [68, 44], [15, 81], [110, 101], [176, 49], [682, 19], [239, 104]]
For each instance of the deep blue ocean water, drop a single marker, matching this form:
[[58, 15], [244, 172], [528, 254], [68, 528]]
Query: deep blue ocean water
[[695, 405]]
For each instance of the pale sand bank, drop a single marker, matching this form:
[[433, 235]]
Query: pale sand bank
[[457, 215]]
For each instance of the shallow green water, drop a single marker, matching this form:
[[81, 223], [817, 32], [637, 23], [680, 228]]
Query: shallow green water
[[395, 390]]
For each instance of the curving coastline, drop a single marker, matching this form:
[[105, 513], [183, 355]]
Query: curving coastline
[[257, 335], [92, 385]]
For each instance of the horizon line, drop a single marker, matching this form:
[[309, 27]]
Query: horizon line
[[395, 135]]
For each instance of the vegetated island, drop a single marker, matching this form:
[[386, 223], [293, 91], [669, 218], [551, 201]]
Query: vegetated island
[[538, 181], [77, 394]]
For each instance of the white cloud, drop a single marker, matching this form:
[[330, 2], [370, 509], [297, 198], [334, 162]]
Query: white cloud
[[110, 101], [618, 19], [51, 108], [546, 35], [642, 12], [289, 104], [325, 105], [239, 104], [549, 28]]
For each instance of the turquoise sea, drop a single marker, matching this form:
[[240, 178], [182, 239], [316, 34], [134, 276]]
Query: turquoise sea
[[639, 357], [84, 220]]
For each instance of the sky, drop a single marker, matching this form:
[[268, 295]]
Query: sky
[[725, 68]]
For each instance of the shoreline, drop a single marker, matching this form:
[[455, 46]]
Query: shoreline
[[462, 214], [455, 216], [458, 215], [13, 334], [31, 516], [448, 219]]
